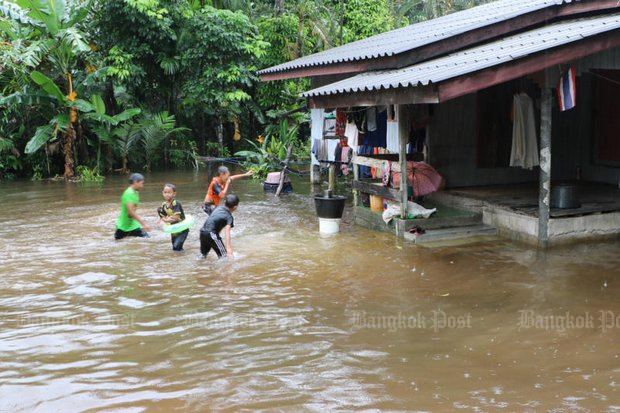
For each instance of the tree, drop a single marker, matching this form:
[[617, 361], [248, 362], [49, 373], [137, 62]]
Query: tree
[[364, 18], [218, 53], [53, 26], [154, 130]]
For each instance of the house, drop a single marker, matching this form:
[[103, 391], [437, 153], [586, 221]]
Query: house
[[465, 72]]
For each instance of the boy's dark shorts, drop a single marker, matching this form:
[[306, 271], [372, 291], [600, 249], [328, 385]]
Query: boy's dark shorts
[[119, 234], [211, 241]]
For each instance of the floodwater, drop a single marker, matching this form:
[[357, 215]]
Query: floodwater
[[359, 321]]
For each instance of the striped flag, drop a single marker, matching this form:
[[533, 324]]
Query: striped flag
[[567, 90]]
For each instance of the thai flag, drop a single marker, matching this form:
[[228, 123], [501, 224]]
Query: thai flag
[[567, 90]]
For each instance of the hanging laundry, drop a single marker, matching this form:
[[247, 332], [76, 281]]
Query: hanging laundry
[[338, 152], [322, 154], [371, 119], [359, 118], [351, 133], [387, 173], [316, 123], [345, 158], [417, 138], [314, 158], [524, 152], [377, 138], [341, 122], [365, 171], [392, 140], [331, 148]]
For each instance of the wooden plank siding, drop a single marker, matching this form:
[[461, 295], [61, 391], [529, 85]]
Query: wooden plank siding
[[373, 162], [377, 189]]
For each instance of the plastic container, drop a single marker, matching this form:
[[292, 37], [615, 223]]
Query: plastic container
[[273, 181], [329, 207], [274, 178], [376, 203], [329, 226], [564, 196]]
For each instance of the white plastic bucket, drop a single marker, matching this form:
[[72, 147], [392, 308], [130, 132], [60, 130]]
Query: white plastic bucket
[[329, 225]]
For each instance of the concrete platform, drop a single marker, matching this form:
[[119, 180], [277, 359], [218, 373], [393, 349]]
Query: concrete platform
[[513, 210], [445, 217], [473, 233]]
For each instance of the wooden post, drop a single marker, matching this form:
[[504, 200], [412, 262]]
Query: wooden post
[[402, 156], [315, 174], [332, 177], [356, 177], [544, 195], [289, 151]]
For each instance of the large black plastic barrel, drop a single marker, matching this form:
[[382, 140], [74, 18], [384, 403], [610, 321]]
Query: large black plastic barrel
[[329, 207]]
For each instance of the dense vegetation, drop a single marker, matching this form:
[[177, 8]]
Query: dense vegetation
[[92, 86]]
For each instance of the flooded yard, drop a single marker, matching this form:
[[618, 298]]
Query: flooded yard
[[360, 321]]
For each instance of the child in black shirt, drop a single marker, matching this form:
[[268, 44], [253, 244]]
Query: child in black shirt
[[171, 212], [220, 218]]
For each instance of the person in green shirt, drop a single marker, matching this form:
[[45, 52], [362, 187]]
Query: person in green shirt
[[129, 224]]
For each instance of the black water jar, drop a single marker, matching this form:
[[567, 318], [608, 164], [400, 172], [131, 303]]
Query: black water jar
[[330, 207]]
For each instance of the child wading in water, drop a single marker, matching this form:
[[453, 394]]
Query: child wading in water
[[129, 224], [171, 212], [219, 188], [220, 218]]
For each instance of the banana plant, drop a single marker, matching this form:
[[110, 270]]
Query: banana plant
[[126, 138], [104, 128], [155, 130], [55, 25], [263, 155]]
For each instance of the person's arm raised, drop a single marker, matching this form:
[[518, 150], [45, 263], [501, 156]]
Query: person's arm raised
[[245, 175]]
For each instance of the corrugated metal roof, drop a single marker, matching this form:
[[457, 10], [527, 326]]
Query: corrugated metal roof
[[474, 59], [420, 34]]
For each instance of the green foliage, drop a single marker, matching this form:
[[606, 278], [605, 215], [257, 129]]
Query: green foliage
[[155, 130], [267, 154], [48, 85], [121, 64], [217, 52], [144, 72], [89, 175], [364, 18], [184, 154]]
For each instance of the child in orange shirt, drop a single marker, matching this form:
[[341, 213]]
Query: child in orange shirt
[[219, 188]]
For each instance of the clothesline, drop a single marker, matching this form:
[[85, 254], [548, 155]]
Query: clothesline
[[604, 77]]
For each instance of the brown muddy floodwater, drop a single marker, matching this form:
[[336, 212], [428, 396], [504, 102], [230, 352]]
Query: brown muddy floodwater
[[360, 321]]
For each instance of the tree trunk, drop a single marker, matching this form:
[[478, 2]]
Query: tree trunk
[[220, 135], [203, 143], [279, 6], [68, 149], [289, 151], [341, 21], [125, 170]]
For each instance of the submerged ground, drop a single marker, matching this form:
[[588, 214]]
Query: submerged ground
[[296, 322]]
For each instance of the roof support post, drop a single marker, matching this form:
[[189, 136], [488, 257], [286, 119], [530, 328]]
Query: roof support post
[[544, 192], [400, 110]]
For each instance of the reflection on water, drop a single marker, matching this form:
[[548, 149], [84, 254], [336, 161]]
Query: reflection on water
[[298, 322]]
